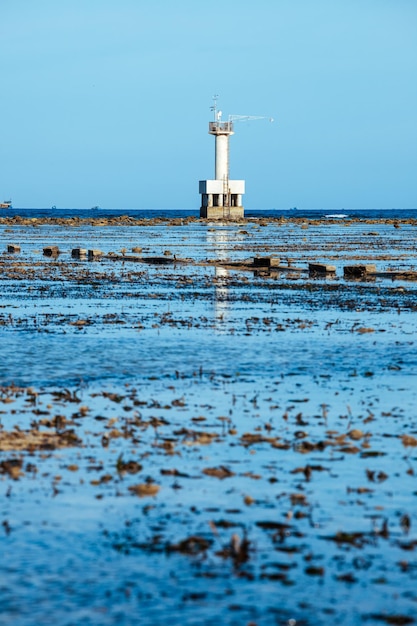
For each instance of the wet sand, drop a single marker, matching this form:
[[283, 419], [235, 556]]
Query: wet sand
[[187, 437]]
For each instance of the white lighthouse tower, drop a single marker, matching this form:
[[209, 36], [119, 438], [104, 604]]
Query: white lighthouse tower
[[221, 198]]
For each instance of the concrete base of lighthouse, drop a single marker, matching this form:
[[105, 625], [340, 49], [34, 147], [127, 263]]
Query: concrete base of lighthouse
[[222, 212], [221, 200]]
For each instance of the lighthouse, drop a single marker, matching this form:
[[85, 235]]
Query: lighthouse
[[221, 198]]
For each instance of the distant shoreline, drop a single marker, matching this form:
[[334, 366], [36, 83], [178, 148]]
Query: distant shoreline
[[128, 220]]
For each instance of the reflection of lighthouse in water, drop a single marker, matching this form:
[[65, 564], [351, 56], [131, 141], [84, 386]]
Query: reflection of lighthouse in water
[[218, 241]]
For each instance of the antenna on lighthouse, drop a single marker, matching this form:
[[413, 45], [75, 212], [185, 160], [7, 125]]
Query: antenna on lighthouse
[[214, 106]]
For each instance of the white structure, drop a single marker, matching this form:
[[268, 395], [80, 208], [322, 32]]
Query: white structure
[[221, 198]]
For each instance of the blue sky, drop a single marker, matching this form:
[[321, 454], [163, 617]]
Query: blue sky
[[107, 102]]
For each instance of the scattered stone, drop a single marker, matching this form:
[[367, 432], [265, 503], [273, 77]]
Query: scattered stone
[[78, 253], [37, 440], [321, 268], [51, 251], [145, 489], [94, 254], [266, 261], [12, 467], [358, 271]]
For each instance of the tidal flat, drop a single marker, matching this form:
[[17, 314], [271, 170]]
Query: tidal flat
[[186, 437]]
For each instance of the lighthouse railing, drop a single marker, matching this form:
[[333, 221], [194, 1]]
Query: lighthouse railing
[[216, 127]]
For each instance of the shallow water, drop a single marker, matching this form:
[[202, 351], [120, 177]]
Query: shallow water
[[298, 392]]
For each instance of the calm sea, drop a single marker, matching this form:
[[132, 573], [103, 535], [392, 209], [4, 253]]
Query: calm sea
[[273, 414]]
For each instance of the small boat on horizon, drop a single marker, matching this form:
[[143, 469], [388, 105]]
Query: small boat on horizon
[[94, 208], [7, 204]]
